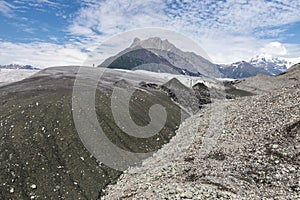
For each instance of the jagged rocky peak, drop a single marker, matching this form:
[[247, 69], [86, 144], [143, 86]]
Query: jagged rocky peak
[[136, 41], [153, 43]]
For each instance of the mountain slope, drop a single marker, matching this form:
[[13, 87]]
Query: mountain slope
[[184, 62], [142, 59], [292, 74], [240, 70]]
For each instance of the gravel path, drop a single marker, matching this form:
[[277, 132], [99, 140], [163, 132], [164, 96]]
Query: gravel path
[[257, 155]]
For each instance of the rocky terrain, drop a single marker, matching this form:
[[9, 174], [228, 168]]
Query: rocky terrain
[[41, 153], [257, 156]]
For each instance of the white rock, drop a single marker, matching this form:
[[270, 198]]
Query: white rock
[[33, 186]]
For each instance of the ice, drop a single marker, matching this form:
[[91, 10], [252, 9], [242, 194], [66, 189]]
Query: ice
[[13, 75]]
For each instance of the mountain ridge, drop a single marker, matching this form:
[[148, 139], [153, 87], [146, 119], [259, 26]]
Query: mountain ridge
[[189, 63], [259, 64], [186, 63]]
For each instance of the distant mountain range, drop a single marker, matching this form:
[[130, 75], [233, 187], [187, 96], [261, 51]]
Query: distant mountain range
[[16, 66], [261, 64], [155, 54]]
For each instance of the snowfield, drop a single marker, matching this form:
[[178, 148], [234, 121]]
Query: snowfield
[[13, 75]]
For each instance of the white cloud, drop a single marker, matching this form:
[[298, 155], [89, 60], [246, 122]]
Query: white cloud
[[112, 17], [274, 48], [228, 30], [231, 16], [80, 30], [47, 2], [6, 8], [37, 3], [228, 49], [40, 54]]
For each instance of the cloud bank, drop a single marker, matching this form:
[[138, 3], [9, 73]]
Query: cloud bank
[[41, 54], [228, 30]]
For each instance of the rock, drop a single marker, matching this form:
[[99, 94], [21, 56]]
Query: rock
[[179, 190], [33, 186]]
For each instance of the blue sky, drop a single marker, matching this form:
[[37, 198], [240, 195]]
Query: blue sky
[[63, 32]]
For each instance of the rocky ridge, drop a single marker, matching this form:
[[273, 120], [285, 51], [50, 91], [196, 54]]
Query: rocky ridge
[[162, 52]]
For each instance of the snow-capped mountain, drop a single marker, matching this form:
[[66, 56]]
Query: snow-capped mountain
[[261, 64], [17, 66], [272, 65], [241, 69]]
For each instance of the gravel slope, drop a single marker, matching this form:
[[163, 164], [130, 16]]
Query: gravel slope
[[41, 153], [256, 157], [260, 83]]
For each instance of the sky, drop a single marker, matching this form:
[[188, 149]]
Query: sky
[[48, 33]]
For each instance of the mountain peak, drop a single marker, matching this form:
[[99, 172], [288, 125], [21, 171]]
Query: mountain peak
[[153, 43], [267, 58], [136, 41], [274, 65], [262, 57], [155, 50]]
